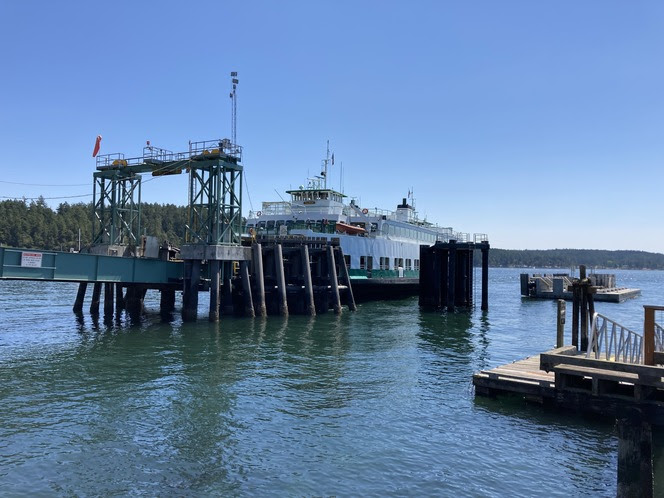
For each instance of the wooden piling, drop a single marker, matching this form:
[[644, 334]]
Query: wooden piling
[[96, 294], [192, 270], [584, 316], [346, 279], [215, 271], [119, 298], [108, 298], [451, 275], [227, 287], [80, 297], [576, 304], [332, 275], [246, 288], [281, 280], [134, 299], [310, 307], [485, 278], [167, 301], [635, 476], [259, 282], [560, 330]]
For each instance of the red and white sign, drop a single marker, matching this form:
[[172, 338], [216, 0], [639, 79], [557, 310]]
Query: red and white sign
[[31, 259]]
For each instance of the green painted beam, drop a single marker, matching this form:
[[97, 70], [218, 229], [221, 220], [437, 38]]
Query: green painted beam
[[34, 264]]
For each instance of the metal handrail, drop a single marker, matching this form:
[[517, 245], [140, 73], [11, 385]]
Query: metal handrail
[[659, 337], [615, 344]]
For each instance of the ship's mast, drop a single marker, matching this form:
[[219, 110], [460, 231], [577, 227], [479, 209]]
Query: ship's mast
[[233, 97], [326, 161]]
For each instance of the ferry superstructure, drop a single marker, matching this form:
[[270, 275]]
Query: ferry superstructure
[[376, 243]]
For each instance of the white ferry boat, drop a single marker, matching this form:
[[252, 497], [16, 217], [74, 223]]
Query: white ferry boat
[[377, 243]]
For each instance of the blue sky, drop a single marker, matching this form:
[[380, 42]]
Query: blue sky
[[539, 123]]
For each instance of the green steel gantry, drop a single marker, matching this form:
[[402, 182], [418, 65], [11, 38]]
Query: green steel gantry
[[215, 193]]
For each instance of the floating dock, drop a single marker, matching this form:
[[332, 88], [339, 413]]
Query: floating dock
[[559, 286]]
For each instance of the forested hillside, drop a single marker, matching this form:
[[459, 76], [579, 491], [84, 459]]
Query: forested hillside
[[35, 225]]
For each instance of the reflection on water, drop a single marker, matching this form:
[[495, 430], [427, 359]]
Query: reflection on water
[[375, 402]]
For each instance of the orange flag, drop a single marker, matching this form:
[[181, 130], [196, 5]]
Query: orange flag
[[97, 145]]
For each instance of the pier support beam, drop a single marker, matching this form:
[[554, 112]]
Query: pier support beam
[[80, 296], [167, 301], [310, 307], [334, 283], [281, 280], [108, 298], [346, 278], [119, 298], [246, 289], [451, 275], [215, 271], [96, 294], [635, 477], [259, 281], [134, 299], [485, 278], [227, 287], [192, 275]]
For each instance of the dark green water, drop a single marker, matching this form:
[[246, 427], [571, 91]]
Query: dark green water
[[377, 402]]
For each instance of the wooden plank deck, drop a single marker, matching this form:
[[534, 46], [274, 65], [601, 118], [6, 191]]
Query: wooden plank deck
[[523, 376], [603, 390]]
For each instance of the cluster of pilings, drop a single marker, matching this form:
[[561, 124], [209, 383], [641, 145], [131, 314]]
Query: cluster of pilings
[[119, 296], [282, 276], [446, 274]]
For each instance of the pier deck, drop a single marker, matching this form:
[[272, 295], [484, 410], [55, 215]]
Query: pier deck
[[566, 379]]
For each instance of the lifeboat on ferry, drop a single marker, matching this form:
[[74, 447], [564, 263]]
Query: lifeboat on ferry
[[349, 229]]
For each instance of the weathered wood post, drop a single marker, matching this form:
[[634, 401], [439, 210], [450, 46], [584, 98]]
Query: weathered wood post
[[281, 280], [310, 307], [560, 331], [119, 298], [485, 277], [134, 299], [649, 333], [259, 282], [436, 255], [108, 298], [96, 294], [227, 287], [451, 275], [635, 476], [80, 296], [167, 301], [215, 281], [576, 301], [346, 278], [584, 308], [246, 289], [334, 284], [192, 276]]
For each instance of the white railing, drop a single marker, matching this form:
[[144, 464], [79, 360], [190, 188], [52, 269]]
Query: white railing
[[613, 342], [659, 337]]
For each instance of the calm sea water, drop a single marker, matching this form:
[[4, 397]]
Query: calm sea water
[[377, 402]]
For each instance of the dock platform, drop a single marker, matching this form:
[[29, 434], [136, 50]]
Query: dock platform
[[564, 378]]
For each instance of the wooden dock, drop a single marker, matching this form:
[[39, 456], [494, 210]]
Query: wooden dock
[[566, 379]]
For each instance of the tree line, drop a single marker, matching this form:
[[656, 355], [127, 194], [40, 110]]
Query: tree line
[[35, 225]]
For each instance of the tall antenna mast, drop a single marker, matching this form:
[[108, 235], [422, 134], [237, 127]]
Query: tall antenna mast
[[326, 161], [233, 97]]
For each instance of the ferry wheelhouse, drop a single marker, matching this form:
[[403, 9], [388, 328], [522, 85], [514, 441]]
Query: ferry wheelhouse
[[376, 243]]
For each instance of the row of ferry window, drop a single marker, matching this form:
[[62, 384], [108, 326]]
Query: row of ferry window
[[366, 263], [410, 233]]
